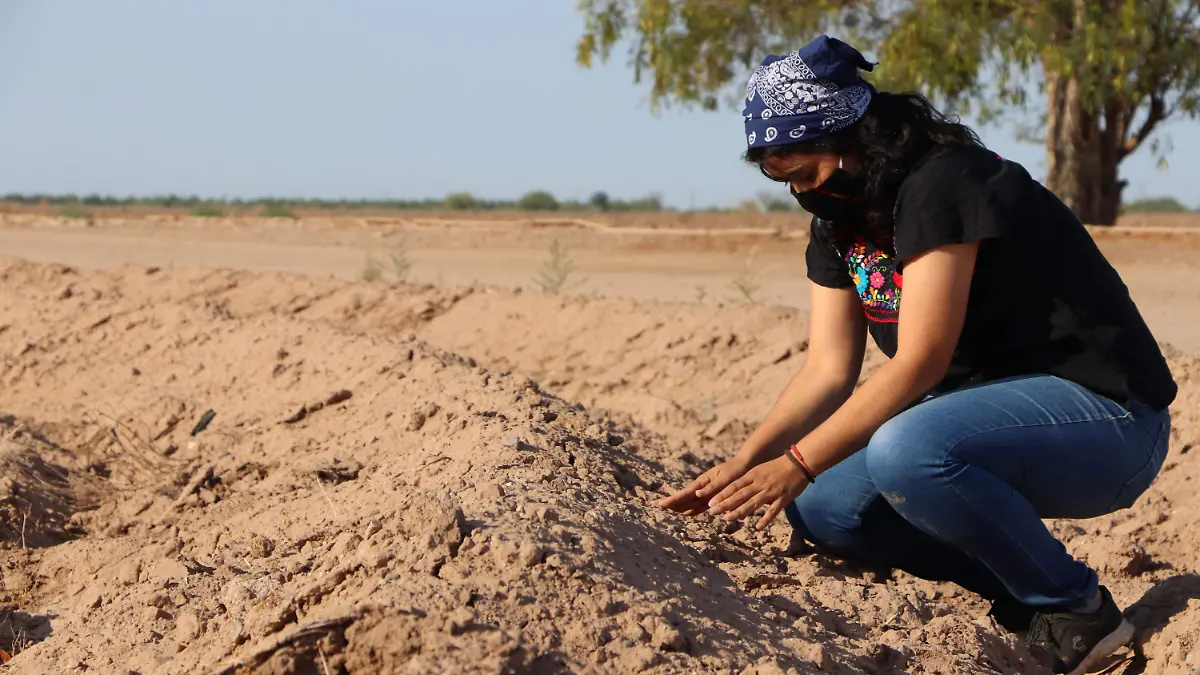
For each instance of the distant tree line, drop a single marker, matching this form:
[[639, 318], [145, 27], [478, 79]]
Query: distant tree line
[[537, 200]]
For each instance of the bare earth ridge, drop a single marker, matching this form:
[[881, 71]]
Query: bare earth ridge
[[229, 471]]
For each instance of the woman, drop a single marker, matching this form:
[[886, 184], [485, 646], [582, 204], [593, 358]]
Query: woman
[[1022, 382]]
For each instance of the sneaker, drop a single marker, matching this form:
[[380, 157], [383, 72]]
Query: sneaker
[[1076, 644], [1013, 615]]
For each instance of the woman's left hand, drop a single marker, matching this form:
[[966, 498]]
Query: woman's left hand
[[772, 484]]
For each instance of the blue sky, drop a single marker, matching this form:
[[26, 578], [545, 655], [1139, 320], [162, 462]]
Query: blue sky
[[372, 98]]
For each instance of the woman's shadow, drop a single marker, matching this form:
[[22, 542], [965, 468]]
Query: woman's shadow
[[1155, 610]]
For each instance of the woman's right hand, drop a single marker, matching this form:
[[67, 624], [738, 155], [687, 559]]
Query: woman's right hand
[[692, 500]]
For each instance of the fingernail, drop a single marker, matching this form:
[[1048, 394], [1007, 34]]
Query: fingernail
[[712, 502]]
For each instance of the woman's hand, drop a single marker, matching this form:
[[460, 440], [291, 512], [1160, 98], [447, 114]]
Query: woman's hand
[[772, 484], [693, 499]]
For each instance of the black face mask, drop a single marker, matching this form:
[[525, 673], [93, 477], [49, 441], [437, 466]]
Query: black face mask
[[838, 199]]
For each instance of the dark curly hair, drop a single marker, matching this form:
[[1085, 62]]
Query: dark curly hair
[[897, 132]]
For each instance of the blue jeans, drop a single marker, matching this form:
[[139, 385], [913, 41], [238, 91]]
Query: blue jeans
[[955, 487]]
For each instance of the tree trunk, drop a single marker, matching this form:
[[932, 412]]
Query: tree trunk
[[1084, 151]]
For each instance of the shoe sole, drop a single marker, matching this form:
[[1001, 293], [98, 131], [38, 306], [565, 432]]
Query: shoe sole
[[1115, 640]]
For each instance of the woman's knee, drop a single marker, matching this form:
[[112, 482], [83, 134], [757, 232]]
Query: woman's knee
[[825, 520], [903, 455]]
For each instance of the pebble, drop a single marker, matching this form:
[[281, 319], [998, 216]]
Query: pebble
[[416, 420], [373, 526], [127, 573], [491, 491], [261, 546], [530, 553], [816, 655], [511, 441], [188, 627], [460, 621]]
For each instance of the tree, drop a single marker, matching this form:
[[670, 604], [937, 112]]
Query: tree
[[1091, 79], [600, 201], [461, 201], [538, 200]]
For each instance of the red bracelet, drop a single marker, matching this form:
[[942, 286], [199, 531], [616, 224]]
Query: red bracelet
[[798, 459]]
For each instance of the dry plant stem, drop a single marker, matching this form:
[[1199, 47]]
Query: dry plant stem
[[331, 504], [324, 662], [14, 432], [431, 462]]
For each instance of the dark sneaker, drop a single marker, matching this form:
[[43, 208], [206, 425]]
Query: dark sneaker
[[1012, 615], [1077, 643]]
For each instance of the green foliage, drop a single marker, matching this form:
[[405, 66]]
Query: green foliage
[[538, 200], [774, 203], [277, 210], [208, 210], [461, 201], [1135, 60], [600, 201], [75, 210], [1156, 205]]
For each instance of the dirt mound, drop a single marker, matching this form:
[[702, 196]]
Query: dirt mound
[[693, 372], [288, 491]]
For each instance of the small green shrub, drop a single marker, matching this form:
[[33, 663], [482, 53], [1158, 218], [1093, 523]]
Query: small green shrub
[[75, 211], [277, 210], [208, 211]]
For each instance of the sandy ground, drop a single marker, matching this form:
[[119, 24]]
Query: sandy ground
[[228, 452]]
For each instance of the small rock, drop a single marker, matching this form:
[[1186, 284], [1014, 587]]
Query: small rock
[[431, 409], [90, 600], [339, 396], [188, 627], [491, 491], [157, 600], [373, 526], [261, 546], [614, 440], [641, 659], [504, 552], [511, 441], [127, 573], [460, 621], [546, 514], [167, 570], [344, 544], [530, 553], [815, 654], [416, 420], [152, 614], [668, 638], [549, 415]]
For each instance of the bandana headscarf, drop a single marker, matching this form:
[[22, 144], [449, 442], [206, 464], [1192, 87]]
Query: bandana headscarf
[[810, 93]]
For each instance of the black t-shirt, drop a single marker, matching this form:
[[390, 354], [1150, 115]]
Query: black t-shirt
[[1043, 297]]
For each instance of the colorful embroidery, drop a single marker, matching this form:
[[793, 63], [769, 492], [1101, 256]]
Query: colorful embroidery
[[876, 280]]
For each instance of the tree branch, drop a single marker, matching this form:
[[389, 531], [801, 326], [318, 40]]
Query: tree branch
[[1155, 115]]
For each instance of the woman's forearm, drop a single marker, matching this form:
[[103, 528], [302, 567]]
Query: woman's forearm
[[806, 402], [885, 394]]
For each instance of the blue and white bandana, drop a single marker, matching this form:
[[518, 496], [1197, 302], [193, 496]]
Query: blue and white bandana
[[810, 93]]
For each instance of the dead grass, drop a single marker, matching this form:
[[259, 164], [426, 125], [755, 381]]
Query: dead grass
[[557, 270]]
